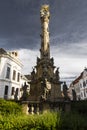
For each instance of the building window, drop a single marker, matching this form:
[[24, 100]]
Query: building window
[[14, 74], [18, 78], [80, 85], [17, 90], [86, 81], [81, 94], [84, 94], [6, 90], [8, 73], [84, 84], [12, 91]]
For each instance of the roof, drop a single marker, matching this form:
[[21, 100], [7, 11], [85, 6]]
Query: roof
[[8, 55], [77, 79], [28, 77], [2, 51]]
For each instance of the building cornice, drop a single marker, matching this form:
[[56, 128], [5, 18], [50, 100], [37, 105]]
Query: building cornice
[[16, 60]]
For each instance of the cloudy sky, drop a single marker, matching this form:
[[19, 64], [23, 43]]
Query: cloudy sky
[[20, 30]]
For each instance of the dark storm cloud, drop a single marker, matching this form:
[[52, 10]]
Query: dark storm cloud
[[20, 22], [70, 24]]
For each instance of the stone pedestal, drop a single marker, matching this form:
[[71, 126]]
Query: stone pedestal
[[67, 107], [25, 108], [46, 107]]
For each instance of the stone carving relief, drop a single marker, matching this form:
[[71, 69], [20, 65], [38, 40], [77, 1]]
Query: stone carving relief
[[46, 89]]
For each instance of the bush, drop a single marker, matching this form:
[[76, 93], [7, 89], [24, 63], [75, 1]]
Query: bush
[[73, 121], [79, 106], [31, 122], [48, 121], [9, 107], [11, 119]]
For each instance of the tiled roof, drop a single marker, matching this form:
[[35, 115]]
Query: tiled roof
[[77, 79]]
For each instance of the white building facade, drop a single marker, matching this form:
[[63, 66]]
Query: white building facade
[[10, 75], [79, 85], [83, 85]]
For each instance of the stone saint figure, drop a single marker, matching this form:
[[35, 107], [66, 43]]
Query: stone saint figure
[[65, 88]]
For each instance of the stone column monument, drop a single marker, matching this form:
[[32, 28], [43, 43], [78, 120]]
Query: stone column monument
[[45, 15], [45, 85]]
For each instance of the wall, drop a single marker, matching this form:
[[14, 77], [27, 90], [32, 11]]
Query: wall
[[14, 64]]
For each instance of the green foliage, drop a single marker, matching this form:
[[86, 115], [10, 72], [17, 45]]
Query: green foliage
[[11, 119], [48, 121], [79, 106], [9, 107], [73, 121], [31, 122]]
